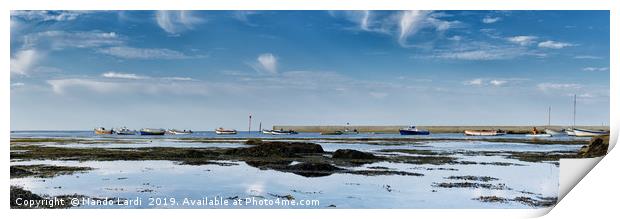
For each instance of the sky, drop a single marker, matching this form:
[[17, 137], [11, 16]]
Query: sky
[[199, 70]]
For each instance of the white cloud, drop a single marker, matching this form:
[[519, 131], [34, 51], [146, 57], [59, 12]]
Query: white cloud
[[498, 83], [378, 95], [150, 87], [48, 15], [595, 69], [402, 24], [142, 53], [488, 82], [482, 54], [558, 86], [474, 82], [18, 84], [175, 22], [410, 22], [23, 61], [522, 40], [587, 57], [490, 20], [267, 62], [553, 44], [178, 78], [58, 40], [122, 75]]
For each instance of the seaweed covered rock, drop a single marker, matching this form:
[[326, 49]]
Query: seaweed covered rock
[[22, 194], [352, 154], [312, 169], [598, 147], [277, 149]]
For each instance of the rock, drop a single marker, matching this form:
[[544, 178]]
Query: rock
[[277, 149], [598, 147], [254, 141], [352, 154], [312, 169]]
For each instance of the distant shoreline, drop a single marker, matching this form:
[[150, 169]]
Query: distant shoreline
[[511, 129], [433, 129]]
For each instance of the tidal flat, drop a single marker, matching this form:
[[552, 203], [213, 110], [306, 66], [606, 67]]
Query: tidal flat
[[341, 173]]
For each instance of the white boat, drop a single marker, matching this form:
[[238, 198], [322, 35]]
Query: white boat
[[179, 132], [222, 131], [589, 133], [125, 131], [267, 132], [484, 132], [554, 133], [538, 135], [570, 132]]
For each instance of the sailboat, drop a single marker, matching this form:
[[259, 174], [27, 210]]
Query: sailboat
[[571, 132], [542, 135]]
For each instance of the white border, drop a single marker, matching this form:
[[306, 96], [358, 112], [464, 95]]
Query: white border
[[583, 200]]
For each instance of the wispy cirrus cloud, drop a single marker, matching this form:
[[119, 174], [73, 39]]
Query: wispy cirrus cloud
[[42, 15], [403, 24], [144, 53], [587, 57], [59, 40], [175, 22], [490, 20], [558, 86], [127, 87], [550, 44], [522, 40], [121, 75], [595, 69], [490, 82]]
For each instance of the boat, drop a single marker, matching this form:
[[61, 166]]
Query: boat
[[179, 132], [412, 130], [541, 135], [589, 133], [554, 132], [103, 131], [222, 131], [279, 132], [125, 131], [151, 131], [570, 132], [337, 132], [484, 132]]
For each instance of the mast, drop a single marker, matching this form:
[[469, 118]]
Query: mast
[[574, 109], [250, 124], [549, 118]]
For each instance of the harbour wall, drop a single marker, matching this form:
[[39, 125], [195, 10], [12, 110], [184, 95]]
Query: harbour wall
[[432, 129]]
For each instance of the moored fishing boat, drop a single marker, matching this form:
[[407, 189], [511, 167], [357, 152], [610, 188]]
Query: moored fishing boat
[[484, 132], [412, 130], [125, 131], [279, 132], [222, 131], [589, 133], [103, 131], [151, 131], [337, 132], [179, 132]]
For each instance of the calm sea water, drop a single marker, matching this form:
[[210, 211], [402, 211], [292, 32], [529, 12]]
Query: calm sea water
[[166, 179]]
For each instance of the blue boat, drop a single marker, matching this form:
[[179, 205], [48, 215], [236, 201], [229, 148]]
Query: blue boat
[[412, 130]]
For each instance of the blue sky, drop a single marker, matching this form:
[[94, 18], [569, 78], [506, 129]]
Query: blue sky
[[205, 69]]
